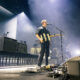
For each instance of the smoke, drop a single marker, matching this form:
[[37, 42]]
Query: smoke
[[65, 15], [25, 30], [9, 26]]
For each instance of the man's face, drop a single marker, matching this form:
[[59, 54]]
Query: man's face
[[44, 24]]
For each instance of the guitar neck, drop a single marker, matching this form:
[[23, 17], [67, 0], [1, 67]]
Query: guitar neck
[[55, 35]]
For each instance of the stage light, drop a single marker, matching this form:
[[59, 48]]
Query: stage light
[[77, 51], [22, 13], [5, 11], [25, 30], [23, 21]]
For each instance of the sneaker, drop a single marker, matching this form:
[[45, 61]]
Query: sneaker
[[38, 67]]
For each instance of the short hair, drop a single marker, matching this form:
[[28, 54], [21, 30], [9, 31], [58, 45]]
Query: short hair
[[44, 20]]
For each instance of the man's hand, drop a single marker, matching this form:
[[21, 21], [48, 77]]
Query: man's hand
[[41, 40]]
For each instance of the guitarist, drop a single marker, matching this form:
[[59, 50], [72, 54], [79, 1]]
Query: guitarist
[[43, 36]]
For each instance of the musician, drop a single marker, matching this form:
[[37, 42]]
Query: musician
[[44, 37]]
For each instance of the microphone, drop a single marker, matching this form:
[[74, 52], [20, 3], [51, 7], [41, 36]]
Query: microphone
[[49, 24]]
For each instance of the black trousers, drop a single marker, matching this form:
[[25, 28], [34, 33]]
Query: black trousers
[[44, 50]]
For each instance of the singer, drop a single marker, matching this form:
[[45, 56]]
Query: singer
[[43, 36]]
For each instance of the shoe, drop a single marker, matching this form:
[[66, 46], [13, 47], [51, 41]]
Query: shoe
[[38, 67]]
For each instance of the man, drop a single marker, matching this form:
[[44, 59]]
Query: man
[[43, 36]]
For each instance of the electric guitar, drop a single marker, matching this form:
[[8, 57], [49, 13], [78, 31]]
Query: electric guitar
[[55, 35]]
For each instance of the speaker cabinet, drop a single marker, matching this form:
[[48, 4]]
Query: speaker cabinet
[[8, 44], [21, 48]]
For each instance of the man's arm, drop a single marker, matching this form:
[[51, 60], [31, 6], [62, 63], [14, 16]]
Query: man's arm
[[39, 38]]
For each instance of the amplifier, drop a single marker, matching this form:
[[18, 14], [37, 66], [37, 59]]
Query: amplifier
[[74, 67], [21, 48], [8, 44]]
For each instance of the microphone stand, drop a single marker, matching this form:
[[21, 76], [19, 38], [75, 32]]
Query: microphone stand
[[61, 32]]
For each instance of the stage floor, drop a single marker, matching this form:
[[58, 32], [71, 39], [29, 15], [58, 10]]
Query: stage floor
[[26, 76]]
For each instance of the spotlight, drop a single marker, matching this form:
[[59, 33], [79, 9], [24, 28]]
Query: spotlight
[[5, 11], [22, 14], [24, 21], [77, 51], [25, 30]]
